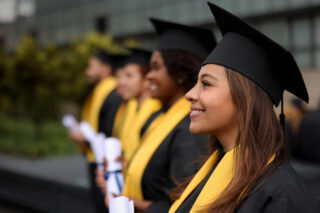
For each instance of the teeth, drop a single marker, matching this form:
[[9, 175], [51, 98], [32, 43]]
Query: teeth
[[153, 86], [196, 111]]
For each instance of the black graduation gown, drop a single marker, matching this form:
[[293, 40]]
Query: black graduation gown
[[108, 113], [308, 147], [283, 192], [106, 119], [176, 158]]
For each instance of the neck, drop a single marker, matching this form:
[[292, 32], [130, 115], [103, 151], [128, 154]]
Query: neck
[[174, 98], [228, 138], [141, 98], [104, 75]]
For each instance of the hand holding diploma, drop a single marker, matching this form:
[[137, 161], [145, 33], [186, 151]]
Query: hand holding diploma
[[96, 141], [113, 175]]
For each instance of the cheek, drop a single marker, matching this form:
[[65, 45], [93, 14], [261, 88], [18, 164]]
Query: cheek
[[221, 112]]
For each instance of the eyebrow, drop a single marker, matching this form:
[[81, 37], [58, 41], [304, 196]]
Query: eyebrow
[[208, 75]]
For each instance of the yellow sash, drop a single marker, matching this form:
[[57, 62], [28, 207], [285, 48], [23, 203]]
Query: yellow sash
[[92, 107], [118, 120], [131, 136], [217, 182], [130, 114], [151, 140]]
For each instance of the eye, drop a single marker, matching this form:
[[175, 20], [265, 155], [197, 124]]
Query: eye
[[204, 83]]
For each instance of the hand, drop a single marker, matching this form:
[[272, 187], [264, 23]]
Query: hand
[[100, 181], [141, 205], [123, 161], [77, 136], [105, 165]]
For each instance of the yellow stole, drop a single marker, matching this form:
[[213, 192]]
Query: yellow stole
[[156, 133], [131, 110], [217, 182], [131, 135], [118, 121], [92, 107]]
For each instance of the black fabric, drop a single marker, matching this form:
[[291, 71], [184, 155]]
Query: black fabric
[[108, 112], [103, 57], [175, 159], [118, 61], [96, 194], [191, 199], [139, 56], [149, 121], [198, 41], [308, 147], [254, 55], [284, 191]]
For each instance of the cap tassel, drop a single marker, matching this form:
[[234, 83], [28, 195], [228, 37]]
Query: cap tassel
[[282, 116]]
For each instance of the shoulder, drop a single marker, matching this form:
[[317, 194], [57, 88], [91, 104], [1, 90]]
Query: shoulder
[[282, 191], [181, 133]]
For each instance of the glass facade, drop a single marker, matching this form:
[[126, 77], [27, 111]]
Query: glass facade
[[293, 23]]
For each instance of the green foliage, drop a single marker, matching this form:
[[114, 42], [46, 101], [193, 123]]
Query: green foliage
[[18, 136], [36, 82]]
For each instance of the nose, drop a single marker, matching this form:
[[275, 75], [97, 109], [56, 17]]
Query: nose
[[149, 75], [191, 95]]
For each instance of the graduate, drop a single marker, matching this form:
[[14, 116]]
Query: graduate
[[136, 90], [238, 84], [168, 150], [99, 111], [136, 109]]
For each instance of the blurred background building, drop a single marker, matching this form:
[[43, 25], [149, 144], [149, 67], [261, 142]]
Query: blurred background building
[[293, 23]]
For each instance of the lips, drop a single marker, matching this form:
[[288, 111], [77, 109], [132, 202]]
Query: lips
[[195, 112]]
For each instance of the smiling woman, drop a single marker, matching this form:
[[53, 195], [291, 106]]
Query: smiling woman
[[238, 84], [168, 150]]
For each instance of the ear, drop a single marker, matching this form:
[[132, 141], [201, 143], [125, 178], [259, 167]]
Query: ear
[[107, 69]]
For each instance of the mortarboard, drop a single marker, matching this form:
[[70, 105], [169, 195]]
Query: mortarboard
[[254, 55], [198, 41], [139, 56], [103, 56]]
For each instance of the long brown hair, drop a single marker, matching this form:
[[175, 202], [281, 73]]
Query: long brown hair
[[260, 137]]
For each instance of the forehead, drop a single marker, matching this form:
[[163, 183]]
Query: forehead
[[212, 70]]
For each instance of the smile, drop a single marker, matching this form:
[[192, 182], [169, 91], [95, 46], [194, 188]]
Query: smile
[[195, 113]]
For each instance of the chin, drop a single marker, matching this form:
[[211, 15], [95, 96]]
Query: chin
[[196, 129]]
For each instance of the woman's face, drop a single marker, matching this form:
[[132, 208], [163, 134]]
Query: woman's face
[[213, 110], [162, 85], [134, 81]]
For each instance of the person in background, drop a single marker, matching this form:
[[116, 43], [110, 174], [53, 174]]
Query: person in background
[[238, 84], [308, 146], [168, 149], [135, 90], [295, 112], [99, 111]]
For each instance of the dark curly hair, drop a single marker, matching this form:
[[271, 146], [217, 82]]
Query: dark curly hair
[[182, 66]]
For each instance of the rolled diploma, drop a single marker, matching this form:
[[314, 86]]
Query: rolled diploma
[[96, 141], [115, 177], [70, 122], [121, 204]]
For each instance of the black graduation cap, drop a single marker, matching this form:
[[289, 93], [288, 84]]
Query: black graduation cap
[[139, 56], [118, 60], [103, 56], [175, 36], [251, 53]]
